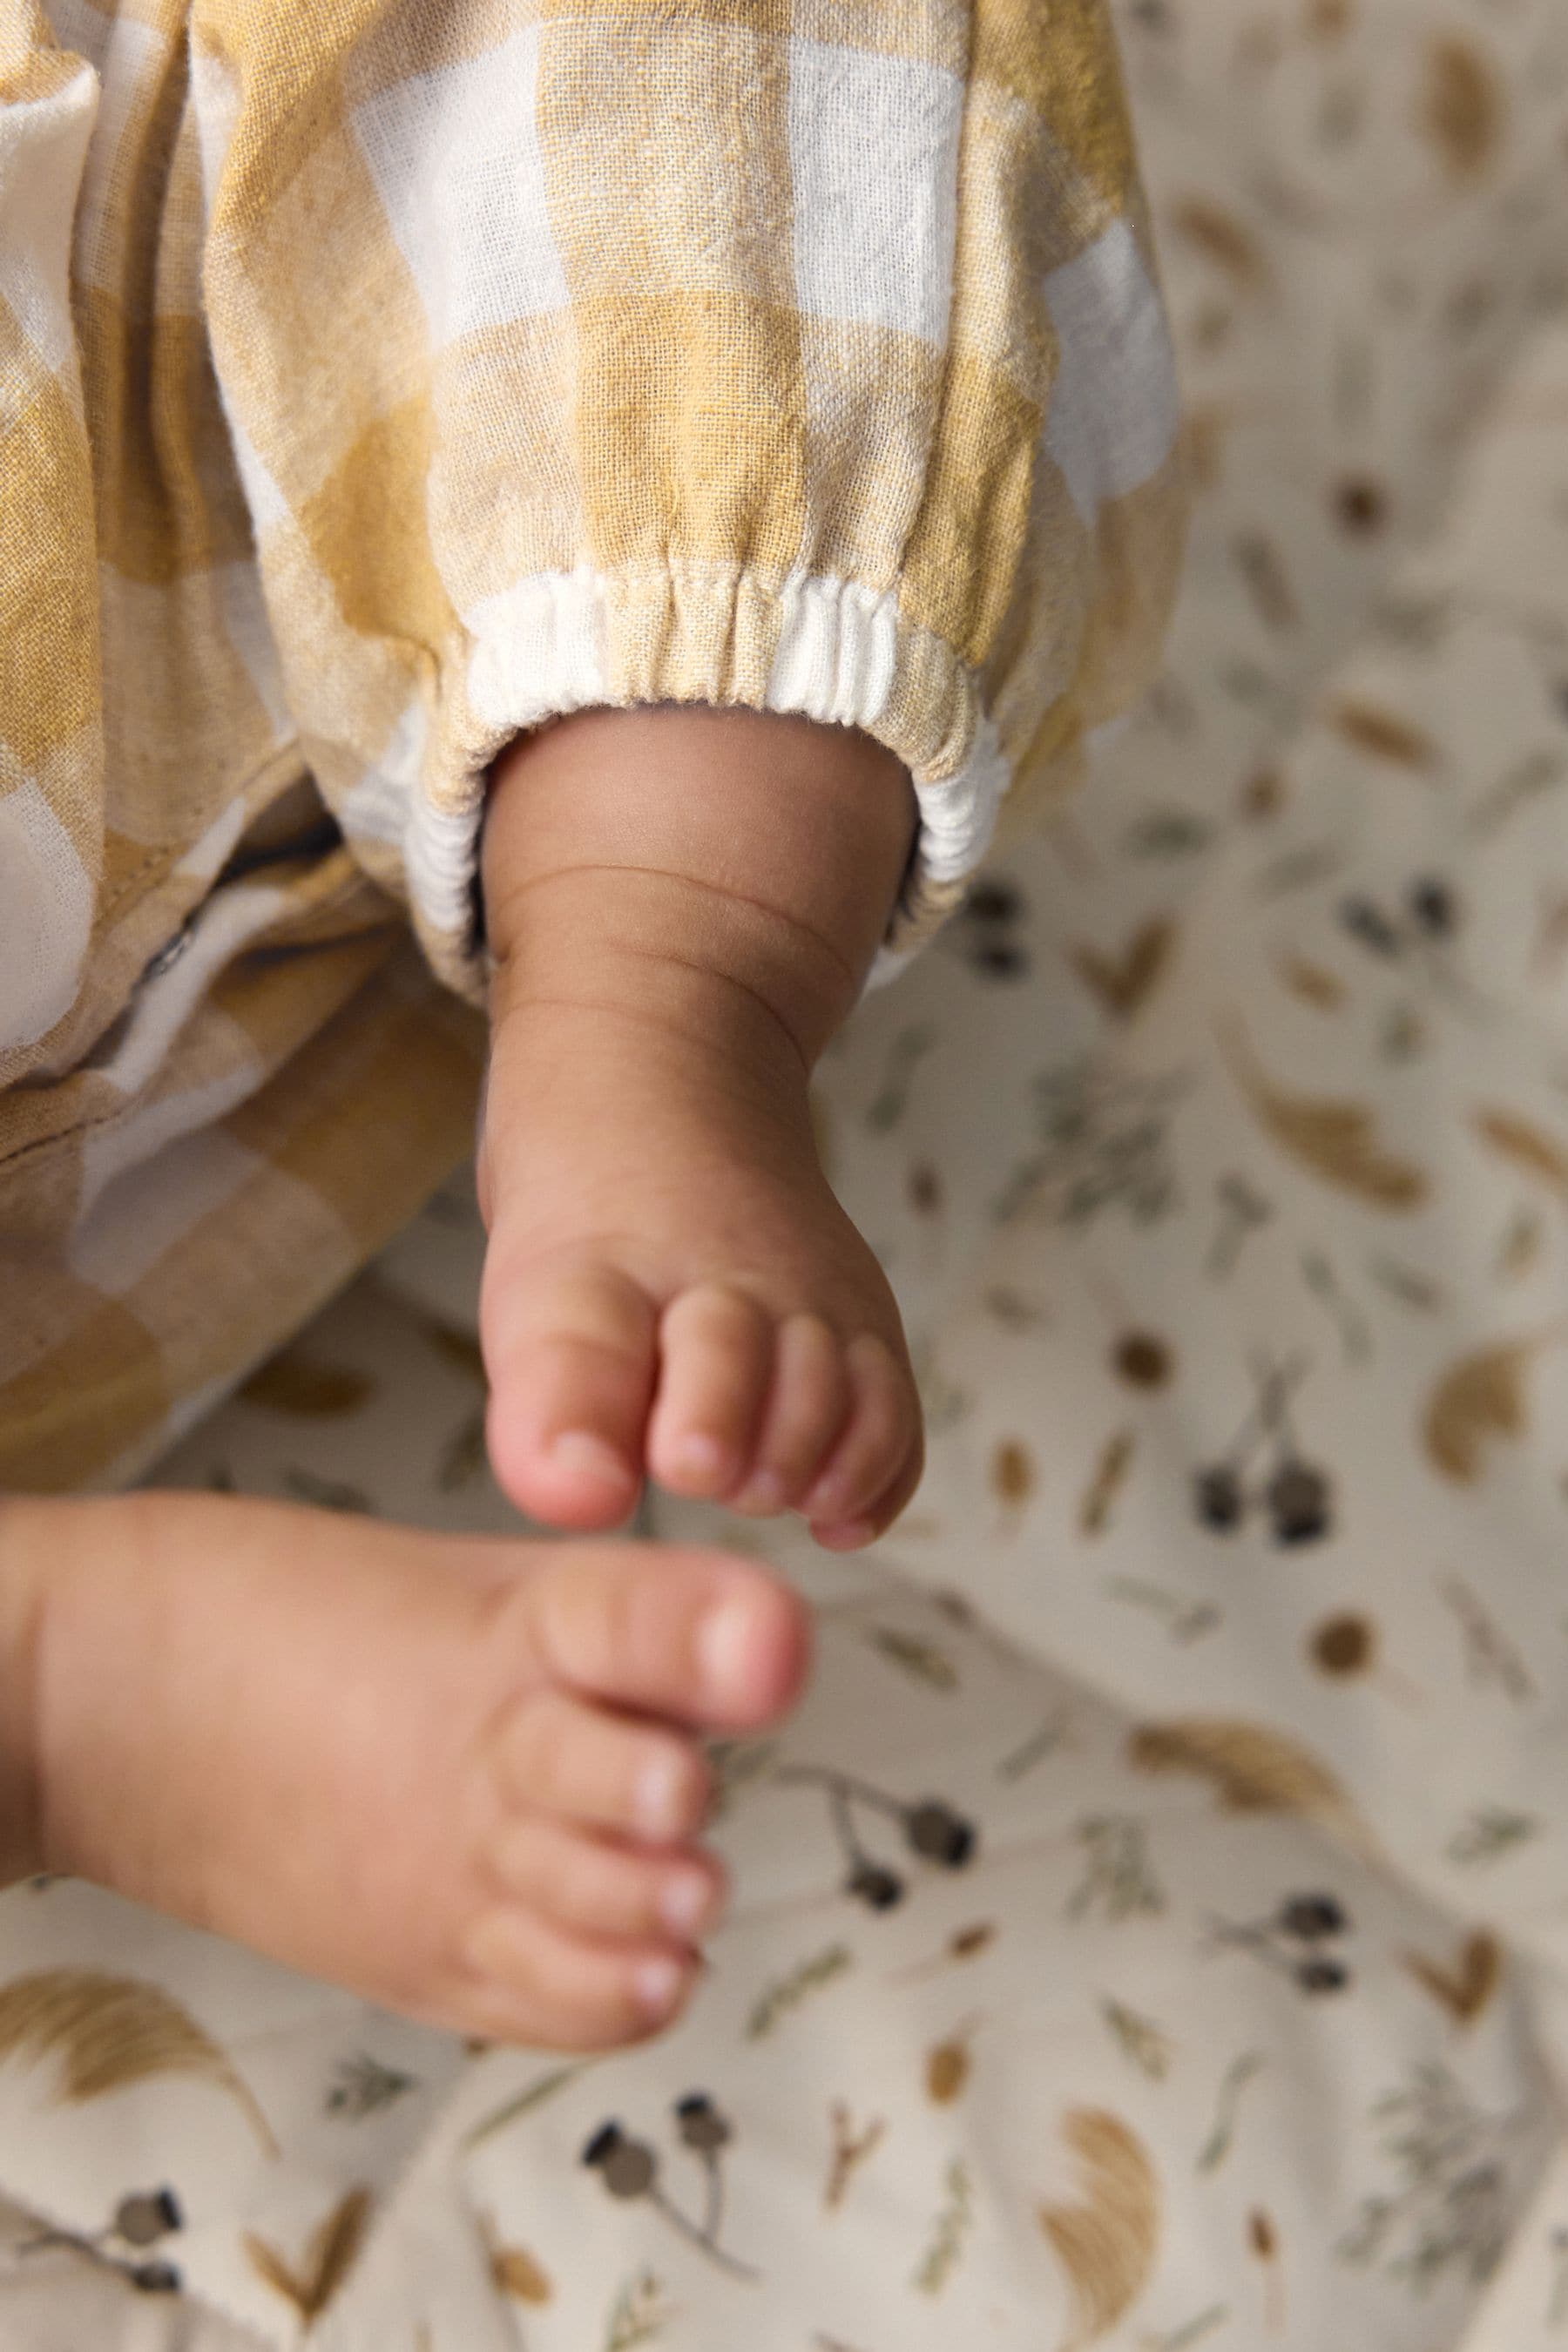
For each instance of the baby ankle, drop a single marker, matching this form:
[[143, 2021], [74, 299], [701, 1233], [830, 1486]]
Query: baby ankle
[[713, 965]]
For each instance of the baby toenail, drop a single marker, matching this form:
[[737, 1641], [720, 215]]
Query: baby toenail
[[848, 1535], [584, 1456], [702, 1455], [657, 1984], [661, 1794], [685, 1905], [725, 1645]]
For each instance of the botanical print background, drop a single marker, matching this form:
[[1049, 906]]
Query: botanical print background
[[1150, 1934]]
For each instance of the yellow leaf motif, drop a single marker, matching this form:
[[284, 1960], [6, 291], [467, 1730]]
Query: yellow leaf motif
[[1107, 2242], [1109, 1477], [967, 1941], [1481, 1397], [512, 2268], [1251, 1770], [1012, 1472], [517, 2273], [1383, 734], [947, 2071], [1221, 239], [1465, 1990], [110, 2031], [327, 2258], [948, 2065], [1336, 1141], [1312, 984], [1123, 983], [302, 1386], [1462, 108], [1530, 1147]]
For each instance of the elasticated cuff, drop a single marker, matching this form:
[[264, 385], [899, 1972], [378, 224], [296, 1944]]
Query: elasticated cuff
[[832, 650]]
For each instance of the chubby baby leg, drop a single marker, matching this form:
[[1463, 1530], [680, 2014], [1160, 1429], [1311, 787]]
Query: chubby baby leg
[[683, 901]]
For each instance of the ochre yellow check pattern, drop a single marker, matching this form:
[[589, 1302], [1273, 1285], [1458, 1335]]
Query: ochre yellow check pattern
[[380, 378]]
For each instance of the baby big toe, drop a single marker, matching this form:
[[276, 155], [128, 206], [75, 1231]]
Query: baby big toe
[[689, 1637], [570, 1353]]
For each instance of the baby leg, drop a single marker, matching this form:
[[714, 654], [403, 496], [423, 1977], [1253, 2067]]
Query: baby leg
[[684, 901]]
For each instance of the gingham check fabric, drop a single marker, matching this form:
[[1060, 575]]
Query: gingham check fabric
[[381, 378]]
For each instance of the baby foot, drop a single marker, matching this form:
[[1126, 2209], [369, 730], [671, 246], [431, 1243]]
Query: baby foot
[[670, 1284], [683, 900], [460, 1777]]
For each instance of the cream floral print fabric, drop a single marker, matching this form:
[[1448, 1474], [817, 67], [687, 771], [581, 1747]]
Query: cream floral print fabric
[[1150, 1934], [382, 378]]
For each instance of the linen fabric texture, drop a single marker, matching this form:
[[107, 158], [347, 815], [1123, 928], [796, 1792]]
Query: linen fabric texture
[[379, 381]]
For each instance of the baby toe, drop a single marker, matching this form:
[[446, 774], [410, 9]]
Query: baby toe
[[570, 1351], [875, 1519], [556, 1755], [806, 1414], [536, 1982], [716, 1358], [871, 1456], [697, 1638], [602, 1887]]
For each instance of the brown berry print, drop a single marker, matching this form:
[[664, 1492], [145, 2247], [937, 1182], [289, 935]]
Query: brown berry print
[[700, 2124], [142, 2219], [1361, 506], [1344, 1645], [1142, 1359]]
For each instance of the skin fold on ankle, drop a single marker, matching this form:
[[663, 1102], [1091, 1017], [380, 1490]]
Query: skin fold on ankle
[[762, 848]]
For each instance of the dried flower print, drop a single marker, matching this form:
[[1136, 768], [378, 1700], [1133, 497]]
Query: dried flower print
[[950, 2233], [1457, 2174]]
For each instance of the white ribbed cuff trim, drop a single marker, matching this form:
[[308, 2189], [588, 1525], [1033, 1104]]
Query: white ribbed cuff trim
[[840, 652]]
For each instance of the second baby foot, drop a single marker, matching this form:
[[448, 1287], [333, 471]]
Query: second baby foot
[[462, 1777]]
